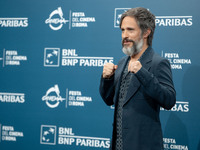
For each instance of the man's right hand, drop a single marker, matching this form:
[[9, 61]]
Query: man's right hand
[[109, 70]]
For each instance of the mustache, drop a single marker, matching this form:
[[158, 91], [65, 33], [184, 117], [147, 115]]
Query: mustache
[[127, 40]]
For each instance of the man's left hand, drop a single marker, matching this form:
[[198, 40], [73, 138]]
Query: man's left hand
[[134, 66]]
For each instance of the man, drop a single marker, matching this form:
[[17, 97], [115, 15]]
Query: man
[[138, 86]]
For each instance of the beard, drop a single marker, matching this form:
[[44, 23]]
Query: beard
[[135, 49]]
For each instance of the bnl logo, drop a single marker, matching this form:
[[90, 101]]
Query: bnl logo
[[51, 57], [118, 14], [48, 135]]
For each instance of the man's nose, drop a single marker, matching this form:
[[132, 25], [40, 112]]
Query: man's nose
[[125, 34]]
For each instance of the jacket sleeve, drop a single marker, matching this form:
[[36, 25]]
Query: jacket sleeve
[[107, 90], [159, 85]]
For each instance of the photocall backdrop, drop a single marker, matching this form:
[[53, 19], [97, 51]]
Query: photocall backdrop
[[51, 59]]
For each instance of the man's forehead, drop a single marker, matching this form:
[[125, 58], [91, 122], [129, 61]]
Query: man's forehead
[[129, 21]]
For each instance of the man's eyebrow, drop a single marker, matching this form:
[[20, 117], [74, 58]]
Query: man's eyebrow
[[130, 28]]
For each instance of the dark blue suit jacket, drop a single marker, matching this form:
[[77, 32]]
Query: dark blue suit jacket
[[150, 88]]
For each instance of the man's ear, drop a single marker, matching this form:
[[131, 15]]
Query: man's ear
[[146, 34]]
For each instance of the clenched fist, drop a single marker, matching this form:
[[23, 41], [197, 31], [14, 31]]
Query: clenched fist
[[134, 66], [108, 70]]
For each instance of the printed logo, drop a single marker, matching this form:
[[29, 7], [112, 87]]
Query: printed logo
[[67, 137], [14, 22], [52, 97], [48, 135], [8, 133], [165, 21], [51, 57], [79, 19], [56, 23], [73, 98], [180, 107], [173, 21], [70, 58], [12, 97], [170, 143], [76, 19], [175, 60], [118, 14], [12, 58]]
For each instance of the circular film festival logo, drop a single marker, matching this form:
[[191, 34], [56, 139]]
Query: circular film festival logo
[[56, 19], [53, 97]]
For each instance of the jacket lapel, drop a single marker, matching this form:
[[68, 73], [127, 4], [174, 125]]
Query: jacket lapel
[[134, 85]]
